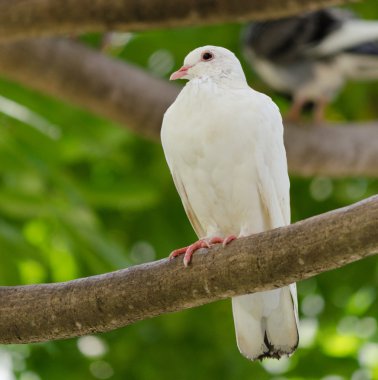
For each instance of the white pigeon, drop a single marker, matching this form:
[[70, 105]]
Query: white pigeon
[[223, 142]]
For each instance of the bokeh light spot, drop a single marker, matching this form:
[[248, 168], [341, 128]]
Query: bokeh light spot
[[161, 62], [312, 305], [340, 345], [321, 188], [101, 370], [308, 328], [92, 346], [142, 252], [276, 366], [361, 300], [368, 355]]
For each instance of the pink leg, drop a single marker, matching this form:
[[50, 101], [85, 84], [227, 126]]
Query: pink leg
[[228, 240], [216, 240], [223, 241], [294, 113], [190, 249], [319, 111]]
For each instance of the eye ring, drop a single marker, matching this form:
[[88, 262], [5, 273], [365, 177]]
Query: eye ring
[[207, 56]]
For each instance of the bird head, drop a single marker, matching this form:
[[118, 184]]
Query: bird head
[[214, 62]]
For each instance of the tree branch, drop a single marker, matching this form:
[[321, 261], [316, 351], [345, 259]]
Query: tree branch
[[336, 150], [128, 95], [107, 87], [263, 261], [31, 18]]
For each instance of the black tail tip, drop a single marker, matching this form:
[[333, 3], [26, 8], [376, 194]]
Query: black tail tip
[[272, 352]]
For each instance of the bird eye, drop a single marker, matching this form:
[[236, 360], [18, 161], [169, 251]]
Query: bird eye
[[207, 56]]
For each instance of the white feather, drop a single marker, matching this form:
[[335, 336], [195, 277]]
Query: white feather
[[224, 146], [350, 34], [359, 67]]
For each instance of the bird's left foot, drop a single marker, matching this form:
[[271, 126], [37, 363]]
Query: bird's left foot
[[223, 241], [203, 243], [293, 116], [319, 111], [189, 250]]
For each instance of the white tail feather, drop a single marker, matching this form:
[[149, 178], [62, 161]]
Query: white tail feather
[[358, 66], [266, 323], [352, 33]]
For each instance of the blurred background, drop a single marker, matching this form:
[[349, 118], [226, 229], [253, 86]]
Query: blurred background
[[81, 196]]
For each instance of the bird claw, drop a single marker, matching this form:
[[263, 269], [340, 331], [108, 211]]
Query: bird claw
[[190, 249], [228, 240], [223, 241]]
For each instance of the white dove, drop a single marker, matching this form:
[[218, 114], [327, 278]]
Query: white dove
[[223, 142]]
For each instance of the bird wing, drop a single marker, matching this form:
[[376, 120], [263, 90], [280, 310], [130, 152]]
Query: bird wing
[[285, 41], [350, 34], [309, 35], [273, 180], [266, 323], [199, 230]]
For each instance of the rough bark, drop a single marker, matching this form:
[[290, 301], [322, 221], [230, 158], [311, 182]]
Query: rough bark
[[28, 18], [260, 262], [128, 95]]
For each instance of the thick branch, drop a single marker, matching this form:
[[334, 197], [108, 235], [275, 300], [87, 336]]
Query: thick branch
[[130, 96], [107, 87], [21, 19], [259, 262], [333, 150]]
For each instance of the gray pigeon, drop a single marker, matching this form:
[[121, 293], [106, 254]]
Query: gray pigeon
[[312, 55]]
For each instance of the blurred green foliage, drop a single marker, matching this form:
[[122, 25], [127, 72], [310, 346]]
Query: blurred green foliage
[[81, 196]]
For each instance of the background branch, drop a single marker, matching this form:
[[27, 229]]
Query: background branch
[[74, 73], [21, 19], [260, 262], [336, 150], [128, 95]]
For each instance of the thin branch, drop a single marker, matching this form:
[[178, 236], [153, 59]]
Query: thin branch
[[21, 19], [260, 262], [128, 95]]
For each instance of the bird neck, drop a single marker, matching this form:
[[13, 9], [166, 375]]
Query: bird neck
[[222, 80]]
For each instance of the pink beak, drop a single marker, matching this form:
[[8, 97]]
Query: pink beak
[[180, 73]]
